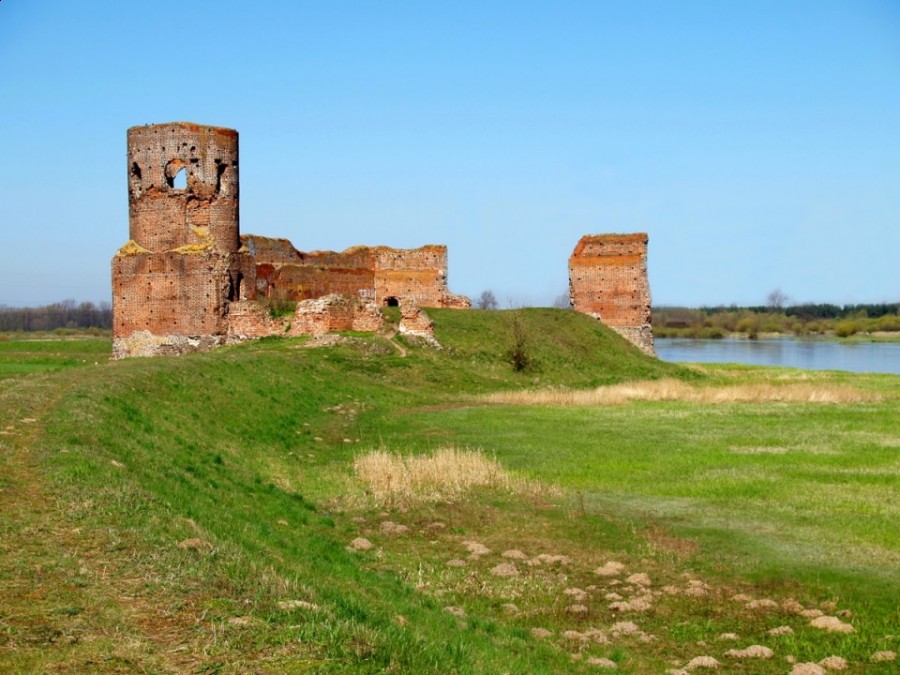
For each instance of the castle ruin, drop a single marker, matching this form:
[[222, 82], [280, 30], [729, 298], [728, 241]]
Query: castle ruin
[[608, 280], [187, 279]]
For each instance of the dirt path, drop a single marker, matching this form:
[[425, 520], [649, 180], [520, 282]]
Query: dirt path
[[70, 596], [396, 345]]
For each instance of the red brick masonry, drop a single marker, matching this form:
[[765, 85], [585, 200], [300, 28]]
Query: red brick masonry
[[608, 280]]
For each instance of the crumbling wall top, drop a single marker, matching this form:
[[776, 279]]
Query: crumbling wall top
[[597, 245], [183, 186]]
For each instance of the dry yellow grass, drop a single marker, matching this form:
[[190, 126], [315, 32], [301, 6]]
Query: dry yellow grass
[[675, 390], [444, 475]]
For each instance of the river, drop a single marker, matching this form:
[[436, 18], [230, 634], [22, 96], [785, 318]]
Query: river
[[811, 354]]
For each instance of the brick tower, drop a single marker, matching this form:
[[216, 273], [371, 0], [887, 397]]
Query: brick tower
[[173, 280]]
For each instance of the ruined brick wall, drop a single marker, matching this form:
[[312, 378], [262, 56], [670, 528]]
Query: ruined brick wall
[[379, 273], [248, 320], [335, 313], [170, 292], [307, 282], [416, 323], [419, 275], [187, 280], [608, 280]]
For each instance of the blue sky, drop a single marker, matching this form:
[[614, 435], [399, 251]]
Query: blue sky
[[758, 143]]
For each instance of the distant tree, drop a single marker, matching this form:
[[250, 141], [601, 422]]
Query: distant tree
[[563, 301], [65, 314], [487, 300], [776, 299]]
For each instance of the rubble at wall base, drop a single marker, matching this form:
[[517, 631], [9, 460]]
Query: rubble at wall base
[[417, 324], [640, 336], [144, 343]]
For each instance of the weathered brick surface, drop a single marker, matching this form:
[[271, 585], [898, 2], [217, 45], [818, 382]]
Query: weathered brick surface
[[249, 319], [416, 323], [205, 212], [333, 313], [382, 274], [187, 280], [174, 292], [608, 280]]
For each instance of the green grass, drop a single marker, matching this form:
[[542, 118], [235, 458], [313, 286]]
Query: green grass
[[26, 353], [157, 514], [798, 483]]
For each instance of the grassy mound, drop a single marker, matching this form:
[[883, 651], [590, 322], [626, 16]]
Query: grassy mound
[[204, 513]]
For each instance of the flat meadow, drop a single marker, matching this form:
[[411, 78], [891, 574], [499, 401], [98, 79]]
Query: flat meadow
[[358, 508]]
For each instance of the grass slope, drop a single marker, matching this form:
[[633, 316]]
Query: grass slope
[[193, 514], [26, 353]]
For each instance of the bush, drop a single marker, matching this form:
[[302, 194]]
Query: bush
[[845, 328], [813, 327], [518, 351], [749, 325], [888, 322], [279, 308]]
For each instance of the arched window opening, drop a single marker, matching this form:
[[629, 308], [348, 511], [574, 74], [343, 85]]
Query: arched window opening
[[176, 176], [391, 301], [179, 182]]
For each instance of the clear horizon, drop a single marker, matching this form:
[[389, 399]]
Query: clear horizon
[[758, 144]]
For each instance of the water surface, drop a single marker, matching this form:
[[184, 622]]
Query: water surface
[[856, 357]]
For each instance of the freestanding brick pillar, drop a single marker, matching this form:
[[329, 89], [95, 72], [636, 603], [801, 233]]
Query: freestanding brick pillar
[[608, 280], [173, 280]]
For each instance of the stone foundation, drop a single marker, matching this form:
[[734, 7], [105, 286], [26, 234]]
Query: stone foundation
[[640, 336], [144, 343]]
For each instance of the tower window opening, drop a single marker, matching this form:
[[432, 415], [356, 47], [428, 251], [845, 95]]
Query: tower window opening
[[176, 176], [220, 171], [179, 182]]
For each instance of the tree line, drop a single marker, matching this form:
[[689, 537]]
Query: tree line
[[822, 310], [804, 319], [65, 314]]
